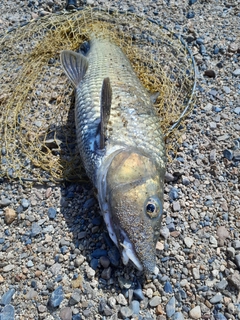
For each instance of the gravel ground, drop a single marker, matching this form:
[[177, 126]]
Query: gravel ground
[[56, 259]]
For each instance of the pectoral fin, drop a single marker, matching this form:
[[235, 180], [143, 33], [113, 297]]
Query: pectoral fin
[[106, 100], [154, 96], [75, 65]]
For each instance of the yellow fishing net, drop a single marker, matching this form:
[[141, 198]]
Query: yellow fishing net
[[37, 131]]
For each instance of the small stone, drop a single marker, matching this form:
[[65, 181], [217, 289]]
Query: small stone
[[226, 89], [106, 273], [210, 73], [5, 202], [237, 109], [79, 260], [217, 298], [7, 313], [173, 194], [104, 262], [222, 284], [236, 72], [178, 316], [90, 272], [188, 242], [52, 213], [222, 233], [121, 299], [228, 154], [237, 260], [213, 241], [7, 297], [195, 313], [98, 253], [1, 279], [190, 15], [167, 287], [138, 294], [36, 229], [126, 312], [75, 298], [30, 264], [169, 177], [42, 308], [31, 294], [170, 307], [231, 308], [212, 156], [176, 206], [10, 215], [25, 204], [196, 273], [78, 283], [164, 231], [56, 297], [135, 307], [159, 310], [159, 246], [8, 268], [48, 192], [66, 313], [212, 125], [236, 244], [155, 301]]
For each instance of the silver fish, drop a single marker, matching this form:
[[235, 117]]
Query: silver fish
[[121, 146]]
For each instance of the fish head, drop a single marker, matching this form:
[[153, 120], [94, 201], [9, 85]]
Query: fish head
[[134, 197]]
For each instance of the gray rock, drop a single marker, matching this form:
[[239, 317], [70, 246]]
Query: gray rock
[[237, 110], [155, 301], [226, 89], [176, 206], [7, 297], [31, 294], [104, 261], [237, 260], [56, 297], [75, 298], [7, 313], [66, 313], [8, 268], [121, 299], [217, 298], [36, 229], [126, 312], [106, 273], [188, 242], [178, 316], [195, 313], [30, 264], [222, 284], [56, 268], [236, 244], [196, 273], [236, 72], [135, 307], [169, 177], [170, 307], [25, 203], [231, 252], [5, 202], [138, 294]]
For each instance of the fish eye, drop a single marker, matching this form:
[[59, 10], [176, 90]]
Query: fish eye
[[153, 207]]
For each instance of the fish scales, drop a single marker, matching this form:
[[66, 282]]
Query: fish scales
[[131, 110], [122, 148]]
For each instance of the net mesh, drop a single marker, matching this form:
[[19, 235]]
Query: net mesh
[[36, 99]]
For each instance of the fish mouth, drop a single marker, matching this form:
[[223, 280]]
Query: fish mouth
[[128, 252]]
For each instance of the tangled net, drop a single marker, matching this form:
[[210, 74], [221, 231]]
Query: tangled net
[[36, 99]]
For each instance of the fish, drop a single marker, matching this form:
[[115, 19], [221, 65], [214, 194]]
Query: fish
[[121, 145]]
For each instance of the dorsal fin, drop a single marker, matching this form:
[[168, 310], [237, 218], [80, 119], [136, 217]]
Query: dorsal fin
[[106, 100], [75, 65]]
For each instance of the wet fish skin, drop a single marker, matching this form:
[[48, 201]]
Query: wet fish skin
[[129, 169]]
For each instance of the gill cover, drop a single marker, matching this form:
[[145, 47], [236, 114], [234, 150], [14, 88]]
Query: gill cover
[[134, 197]]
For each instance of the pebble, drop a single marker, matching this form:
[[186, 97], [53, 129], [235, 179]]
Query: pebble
[[121, 299], [10, 215], [155, 301], [126, 312], [36, 229], [104, 261], [236, 244], [217, 298], [106, 273], [56, 297], [170, 307], [98, 253], [135, 307], [222, 284], [178, 316], [176, 206], [237, 110], [196, 273], [188, 242], [237, 260], [75, 297], [66, 313], [5, 202], [236, 72], [52, 213], [8, 268], [138, 294], [25, 204], [222, 233], [7, 297], [190, 15], [195, 313], [167, 287], [209, 73], [7, 313], [31, 294]]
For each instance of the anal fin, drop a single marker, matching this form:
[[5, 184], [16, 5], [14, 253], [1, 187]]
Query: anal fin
[[106, 101], [75, 65]]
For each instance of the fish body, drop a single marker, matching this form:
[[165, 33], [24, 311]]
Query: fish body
[[121, 145]]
